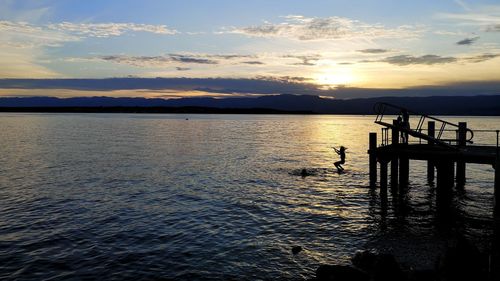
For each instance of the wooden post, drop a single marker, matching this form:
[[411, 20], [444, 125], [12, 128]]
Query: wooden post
[[394, 161], [445, 173], [373, 159], [404, 170], [431, 131], [497, 182], [383, 184], [462, 135], [383, 176]]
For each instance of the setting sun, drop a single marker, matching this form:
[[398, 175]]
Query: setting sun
[[335, 77]]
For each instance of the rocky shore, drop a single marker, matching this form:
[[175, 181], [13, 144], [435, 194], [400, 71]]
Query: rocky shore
[[461, 260]]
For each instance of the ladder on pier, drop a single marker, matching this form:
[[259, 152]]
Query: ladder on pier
[[384, 109]]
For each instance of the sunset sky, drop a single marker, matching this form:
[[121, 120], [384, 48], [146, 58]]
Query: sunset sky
[[331, 44]]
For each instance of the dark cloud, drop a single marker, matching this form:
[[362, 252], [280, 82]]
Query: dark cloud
[[403, 60], [142, 61], [373, 51], [262, 85], [481, 58], [493, 28], [191, 59], [183, 68], [467, 41], [284, 79], [258, 85], [253, 62], [172, 59], [230, 57]]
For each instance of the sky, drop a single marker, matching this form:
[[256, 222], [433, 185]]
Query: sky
[[334, 44]]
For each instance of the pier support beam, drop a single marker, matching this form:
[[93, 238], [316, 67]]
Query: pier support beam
[[497, 183], [394, 161], [383, 183], [431, 131], [404, 171], [373, 159], [462, 135], [383, 176], [445, 175]]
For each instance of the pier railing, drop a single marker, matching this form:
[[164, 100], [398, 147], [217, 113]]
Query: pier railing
[[446, 133], [487, 138]]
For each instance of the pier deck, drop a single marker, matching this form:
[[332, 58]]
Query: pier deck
[[468, 154]]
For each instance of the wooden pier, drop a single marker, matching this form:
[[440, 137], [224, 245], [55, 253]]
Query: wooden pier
[[447, 151]]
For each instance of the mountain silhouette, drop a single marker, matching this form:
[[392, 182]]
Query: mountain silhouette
[[458, 105]]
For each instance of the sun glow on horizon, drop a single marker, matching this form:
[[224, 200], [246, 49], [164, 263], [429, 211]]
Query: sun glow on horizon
[[336, 77]]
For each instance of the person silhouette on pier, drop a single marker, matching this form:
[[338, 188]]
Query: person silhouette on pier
[[405, 124], [340, 152]]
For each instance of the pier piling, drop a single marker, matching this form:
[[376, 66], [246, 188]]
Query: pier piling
[[404, 171], [497, 182], [383, 183], [431, 131], [462, 135], [394, 160], [383, 176], [445, 171], [373, 159]]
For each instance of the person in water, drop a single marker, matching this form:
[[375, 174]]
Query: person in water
[[340, 152], [304, 173]]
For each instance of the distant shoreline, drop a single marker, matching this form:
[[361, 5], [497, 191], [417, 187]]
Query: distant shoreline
[[159, 109], [187, 110], [276, 104]]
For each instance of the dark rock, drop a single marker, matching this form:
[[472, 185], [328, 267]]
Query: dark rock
[[422, 275], [296, 249], [387, 269], [461, 261], [340, 273], [365, 260]]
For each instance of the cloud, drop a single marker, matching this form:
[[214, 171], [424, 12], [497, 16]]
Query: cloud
[[487, 18], [229, 56], [462, 4], [26, 35], [493, 28], [481, 58], [403, 60], [373, 51], [190, 59], [253, 62], [468, 41], [306, 60], [259, 85], [304, 28], [262, 85], [176, 59], [156, 61], [182, 68], [103, 30]]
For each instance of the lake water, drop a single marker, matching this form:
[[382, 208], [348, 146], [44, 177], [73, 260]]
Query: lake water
[[144, 197]]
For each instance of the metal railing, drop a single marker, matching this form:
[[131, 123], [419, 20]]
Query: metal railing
[[442, 126]]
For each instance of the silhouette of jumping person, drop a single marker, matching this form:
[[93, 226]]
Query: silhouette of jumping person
[[340, 152]]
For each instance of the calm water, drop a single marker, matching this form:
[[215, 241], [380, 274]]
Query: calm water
[[117, 197]]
